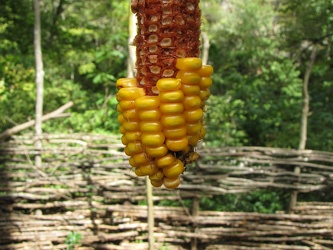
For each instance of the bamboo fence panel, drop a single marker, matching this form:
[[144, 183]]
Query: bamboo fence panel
[[86, 186]]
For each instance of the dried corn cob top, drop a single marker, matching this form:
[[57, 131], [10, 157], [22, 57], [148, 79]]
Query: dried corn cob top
[[167, 30]]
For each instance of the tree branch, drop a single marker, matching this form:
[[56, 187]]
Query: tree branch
[[55, 114]]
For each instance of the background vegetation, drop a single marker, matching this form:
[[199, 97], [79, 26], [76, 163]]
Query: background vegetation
[[259, 49]]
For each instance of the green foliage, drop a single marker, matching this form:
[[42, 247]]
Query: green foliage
[[105, 64], [256, 76], [302, 26], [17, 92], [223, 118], [84, 52], [259, 52], [261, 201], [164, 247], [187, 203], [100, 119], [16, 71], [72, 240], [309, 20]]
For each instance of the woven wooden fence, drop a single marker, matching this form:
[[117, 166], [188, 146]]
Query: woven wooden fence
[[86, 186]]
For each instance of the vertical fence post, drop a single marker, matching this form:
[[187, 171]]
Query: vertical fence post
[[294, 194]]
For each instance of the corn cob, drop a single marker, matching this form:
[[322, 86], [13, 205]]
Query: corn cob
[[161, 110]]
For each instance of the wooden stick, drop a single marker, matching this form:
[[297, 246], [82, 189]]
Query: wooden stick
[[55, 114], [150, 213]]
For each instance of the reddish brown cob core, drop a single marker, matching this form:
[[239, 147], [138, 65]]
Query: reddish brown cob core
[[167, 30]]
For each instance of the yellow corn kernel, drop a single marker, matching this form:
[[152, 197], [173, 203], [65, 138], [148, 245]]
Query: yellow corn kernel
[[119, 109], [131, 93], [122, 130], [130, 126], [206, 70], [134, 147], [177, 144], [186, 150], [118, 99], [130, 115], [138, 172], [157, 151], [173, 171], [157, 176], [173, 121], [150, 168], [152, 139], [127, 152], [133, 136], [194, 115], [127, 104], [156, 183], [147, 169], [192, 102], [168, 84], [190, 78], [171, 183], [165, 161], [193, 129], [141, 159], [189, 63], [172, 108], [150, 126], [204, 94], [147, 102], [132, 162], [193, 140], [175, 133], [150, 115], [124, 140], [172, 96], [126, 83], [202, 133], [121, 119], [190, 90], [205, 83]]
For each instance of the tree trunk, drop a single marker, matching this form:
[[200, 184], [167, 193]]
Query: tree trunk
[[39, 82], [304, 118], [306, 100]]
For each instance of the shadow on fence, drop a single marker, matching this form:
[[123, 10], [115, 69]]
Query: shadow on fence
[[86, 186], [6, 201]]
